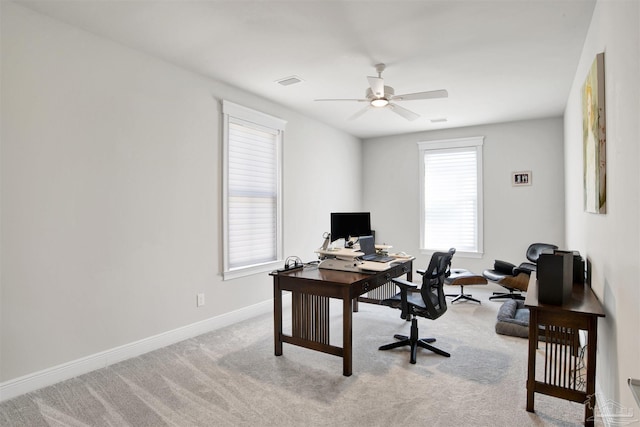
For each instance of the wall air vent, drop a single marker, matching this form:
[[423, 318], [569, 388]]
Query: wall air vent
[[288, 81]]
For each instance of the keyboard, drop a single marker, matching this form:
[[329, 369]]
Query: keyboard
[[378, 258]]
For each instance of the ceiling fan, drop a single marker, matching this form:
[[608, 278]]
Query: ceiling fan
[[380, 96]]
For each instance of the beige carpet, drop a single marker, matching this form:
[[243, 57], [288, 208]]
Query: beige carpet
[[231, 377]]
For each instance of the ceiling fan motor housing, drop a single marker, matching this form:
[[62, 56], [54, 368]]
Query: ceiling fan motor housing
[[388, 93]]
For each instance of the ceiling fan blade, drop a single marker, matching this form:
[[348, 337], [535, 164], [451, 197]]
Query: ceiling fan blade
[[360, 112], [407, 114], [377, 86], [422, 95], [357, 100]]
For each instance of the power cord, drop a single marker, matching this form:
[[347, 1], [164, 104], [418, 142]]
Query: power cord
[[290, 264], [293, 262]]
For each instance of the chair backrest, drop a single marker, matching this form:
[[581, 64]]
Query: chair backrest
[[432, 289], [535, 249]]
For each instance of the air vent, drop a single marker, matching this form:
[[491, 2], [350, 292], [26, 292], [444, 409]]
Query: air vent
[[288, 81], [439, 120]]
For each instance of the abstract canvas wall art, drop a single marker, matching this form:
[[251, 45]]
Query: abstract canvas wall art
[[594, 138]]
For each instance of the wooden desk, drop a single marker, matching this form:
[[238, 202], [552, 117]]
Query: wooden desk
[[311, 289], [555, 328]]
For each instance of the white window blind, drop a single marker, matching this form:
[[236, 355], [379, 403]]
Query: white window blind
[[451, 195], [252, 219], [253, 196]]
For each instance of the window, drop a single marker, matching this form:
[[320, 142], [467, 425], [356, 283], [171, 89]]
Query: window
[[252, 190], [451, 195]]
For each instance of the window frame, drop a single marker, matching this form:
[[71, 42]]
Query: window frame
[[262, 121], [442, 145]]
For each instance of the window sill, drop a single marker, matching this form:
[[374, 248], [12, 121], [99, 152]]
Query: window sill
[[251, 270], [459, 254]]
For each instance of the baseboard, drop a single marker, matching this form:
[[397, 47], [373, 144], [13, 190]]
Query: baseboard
[[599, 399], [612, 413], [65, 371]]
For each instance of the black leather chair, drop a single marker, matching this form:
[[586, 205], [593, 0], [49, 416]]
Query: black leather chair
[[428, 301], [533, 253], [516, 279]]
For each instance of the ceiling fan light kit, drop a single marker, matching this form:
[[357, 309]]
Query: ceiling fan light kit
[[379, 102], [380, 96]]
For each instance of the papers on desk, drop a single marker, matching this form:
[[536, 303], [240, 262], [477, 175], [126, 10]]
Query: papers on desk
[[402, 256], [346, 259], [342, 253], [375, 266]]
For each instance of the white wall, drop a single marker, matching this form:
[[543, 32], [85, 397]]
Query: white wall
[[611, 241], [514, 217], [110, 193]]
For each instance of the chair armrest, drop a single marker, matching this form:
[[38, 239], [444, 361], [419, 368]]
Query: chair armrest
[[525, 267], [404, 285], [404, 288], [421, 272]]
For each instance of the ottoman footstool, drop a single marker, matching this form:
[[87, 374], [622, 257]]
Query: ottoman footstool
[[462, 278]]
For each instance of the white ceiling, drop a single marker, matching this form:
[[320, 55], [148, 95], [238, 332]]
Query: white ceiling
[[500, 60]]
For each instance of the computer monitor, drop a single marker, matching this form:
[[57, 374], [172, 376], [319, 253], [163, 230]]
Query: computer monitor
[[350, 224]]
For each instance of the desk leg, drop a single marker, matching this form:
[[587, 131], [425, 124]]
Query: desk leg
[[533, 343], [277, 316], [592, 341], [347, 343]]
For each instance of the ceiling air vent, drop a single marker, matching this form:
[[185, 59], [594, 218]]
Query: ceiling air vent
[[288, 81]]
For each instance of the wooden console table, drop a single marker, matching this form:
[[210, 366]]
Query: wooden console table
[[555, 328], [311, 289]]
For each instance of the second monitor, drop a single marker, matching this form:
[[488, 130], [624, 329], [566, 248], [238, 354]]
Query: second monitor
[[350, 224]]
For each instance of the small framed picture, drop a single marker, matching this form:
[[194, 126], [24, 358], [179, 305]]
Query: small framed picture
[[520, 178]]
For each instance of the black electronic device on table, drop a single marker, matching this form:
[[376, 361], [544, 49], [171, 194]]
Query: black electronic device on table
[[368, 246], [350, 224]]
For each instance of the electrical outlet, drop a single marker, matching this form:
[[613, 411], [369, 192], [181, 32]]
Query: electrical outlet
[[200, 300]]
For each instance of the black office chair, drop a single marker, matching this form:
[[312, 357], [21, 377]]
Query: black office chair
[[429, 301]]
